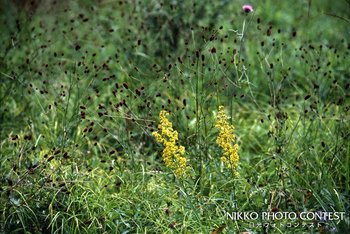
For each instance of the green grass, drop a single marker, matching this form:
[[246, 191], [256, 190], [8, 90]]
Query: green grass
[[82, 84]]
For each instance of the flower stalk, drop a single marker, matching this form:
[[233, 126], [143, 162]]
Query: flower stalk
[[226, 140], [173, 153]]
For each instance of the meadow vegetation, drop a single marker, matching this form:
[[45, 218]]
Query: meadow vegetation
[[162, 116]]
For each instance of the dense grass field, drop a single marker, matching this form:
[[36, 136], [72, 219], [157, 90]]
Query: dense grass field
[[173, 116]]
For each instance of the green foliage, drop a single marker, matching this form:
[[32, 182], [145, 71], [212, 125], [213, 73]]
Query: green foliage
[[82, 84]]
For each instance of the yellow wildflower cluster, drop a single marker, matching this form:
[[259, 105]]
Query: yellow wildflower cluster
[[173, 153], [226, 141]]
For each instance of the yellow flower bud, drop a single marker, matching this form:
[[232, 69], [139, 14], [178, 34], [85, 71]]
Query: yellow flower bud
[[173, 154], [226, 141]]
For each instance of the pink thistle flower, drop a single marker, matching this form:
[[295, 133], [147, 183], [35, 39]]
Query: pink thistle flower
[[247, 8]]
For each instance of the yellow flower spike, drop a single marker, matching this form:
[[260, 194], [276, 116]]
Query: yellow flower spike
[[173, 154], [226, 141]]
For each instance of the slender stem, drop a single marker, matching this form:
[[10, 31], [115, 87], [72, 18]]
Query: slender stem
[[198, 126]]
